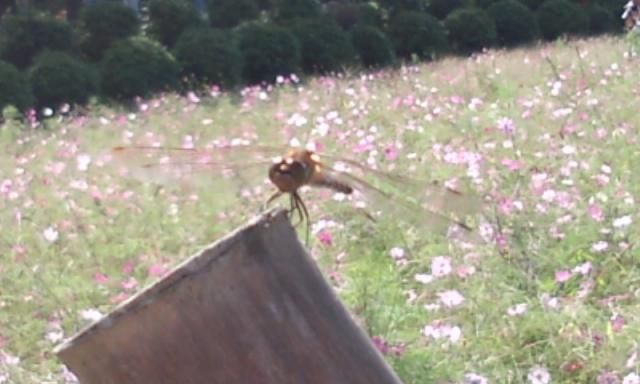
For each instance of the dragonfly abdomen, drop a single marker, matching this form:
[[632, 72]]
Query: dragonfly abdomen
[[324, 180]]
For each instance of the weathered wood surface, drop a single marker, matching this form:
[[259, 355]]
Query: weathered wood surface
[[251, 309]]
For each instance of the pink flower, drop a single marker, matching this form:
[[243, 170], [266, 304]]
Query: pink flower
[[563, 276], [441, 266], [583, 269], [391, 152], [595, 212], [617, 323], [100, 278], [129, 284], [451, 298], [511, 164], [506, 125], [465, 271], [438, 330], [157, 270], [325, 237]]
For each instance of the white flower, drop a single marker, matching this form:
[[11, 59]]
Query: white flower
[[472, 378], [82, 162], [397, 253], [600, 246], [517, 309], [441, 266], [423, 278], [622, 222], [91, 314], [632, 378], [451, 298], [539, 375], [50, 234]]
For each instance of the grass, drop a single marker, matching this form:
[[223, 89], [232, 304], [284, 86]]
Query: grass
[[549, 135]]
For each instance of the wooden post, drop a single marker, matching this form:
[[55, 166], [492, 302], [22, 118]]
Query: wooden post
[[253, 308]]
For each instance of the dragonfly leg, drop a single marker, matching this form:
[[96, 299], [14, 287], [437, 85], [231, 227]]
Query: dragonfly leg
[[304, 214], [294, 207], [273, 197]]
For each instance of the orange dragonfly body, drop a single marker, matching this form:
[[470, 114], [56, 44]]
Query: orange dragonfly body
[[296, 169]]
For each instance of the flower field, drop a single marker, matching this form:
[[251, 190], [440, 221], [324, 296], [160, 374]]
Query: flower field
[[546, 136]]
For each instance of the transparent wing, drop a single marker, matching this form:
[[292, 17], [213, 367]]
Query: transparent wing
[[422, 203], [168, 165]]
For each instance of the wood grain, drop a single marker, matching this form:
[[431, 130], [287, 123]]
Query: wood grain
[[251, 308]]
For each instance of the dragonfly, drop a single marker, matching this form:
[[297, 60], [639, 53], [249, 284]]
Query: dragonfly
[[290, 169]]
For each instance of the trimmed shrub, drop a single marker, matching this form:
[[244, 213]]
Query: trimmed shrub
[[104, 23], [24, 36], [57, 78], [470, 29], [396, 6], [229, 13], [372, 46], [293, 9], [209, 55], [533, 4], [515, 23], [601, 20], [442, 8], [346, 15], [484, 3], [169, 18], [324, 47], [417, 33], [615, 7], [14, 88], [137, 66], [268, 51], [561, 17]]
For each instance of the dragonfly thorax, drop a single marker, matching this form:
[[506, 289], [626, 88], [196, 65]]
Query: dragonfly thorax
[[290, 173]]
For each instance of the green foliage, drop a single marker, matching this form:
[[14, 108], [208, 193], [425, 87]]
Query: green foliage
[[324, 47], [484, 3], [372, 46], [137, 66], [268, 51], [561, 17], [209, 55], [104, 23], [601, 20], [349, 14], [395, 6], [417, 33], [169, 18], [25, 35], [57, 78], [14, 87], [293, 9], [470, 29], [442, 8], [533, 4], [229, 13], [515, 23]]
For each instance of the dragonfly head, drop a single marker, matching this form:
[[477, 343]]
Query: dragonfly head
[[289, 174]]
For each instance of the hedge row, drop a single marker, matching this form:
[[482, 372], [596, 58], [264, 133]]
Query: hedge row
[[45, 61]]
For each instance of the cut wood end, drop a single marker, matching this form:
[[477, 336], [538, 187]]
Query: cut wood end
[[268, 220]]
